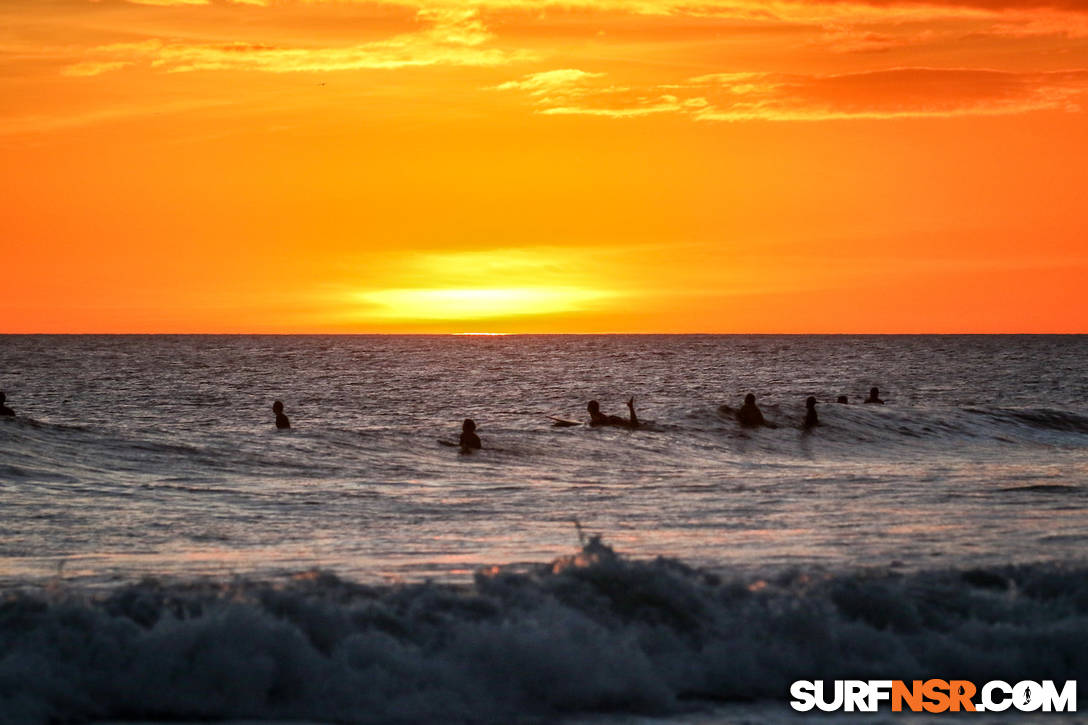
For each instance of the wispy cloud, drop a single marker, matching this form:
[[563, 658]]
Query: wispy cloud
[[570, 91], [494, 33], [93, 67], [541, 85], [882, 94], [1020, 16], [167, 3], [457, 33], [885, 94], [644, 106], [449, 38]]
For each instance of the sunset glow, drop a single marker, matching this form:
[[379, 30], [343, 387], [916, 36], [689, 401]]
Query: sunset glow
[[604, 166], [472, 304]]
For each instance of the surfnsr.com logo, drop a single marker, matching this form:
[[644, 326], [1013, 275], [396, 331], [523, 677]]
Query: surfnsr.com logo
[[933, 696]]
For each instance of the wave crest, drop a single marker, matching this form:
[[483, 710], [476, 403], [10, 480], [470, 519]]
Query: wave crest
[[592, 632]]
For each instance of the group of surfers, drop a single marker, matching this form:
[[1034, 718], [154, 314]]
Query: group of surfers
[[748, 415]]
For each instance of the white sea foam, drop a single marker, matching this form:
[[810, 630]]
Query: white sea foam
[[593, 633]]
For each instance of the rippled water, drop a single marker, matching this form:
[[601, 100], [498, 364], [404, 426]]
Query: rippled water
[[157, 455], [167, 555]]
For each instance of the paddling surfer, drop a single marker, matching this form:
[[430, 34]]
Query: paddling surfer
[[596, 417], [469, 440], [749, 415], [282, 422]]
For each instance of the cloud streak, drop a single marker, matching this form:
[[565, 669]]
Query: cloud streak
[[881, 94], [546, 83], [887, 94], [1001, 17], [452, 38], [1008, 17]]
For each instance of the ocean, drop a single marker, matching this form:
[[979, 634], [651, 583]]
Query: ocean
[[167, 555]]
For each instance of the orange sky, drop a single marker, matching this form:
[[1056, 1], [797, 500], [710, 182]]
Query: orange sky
[[530, 166]]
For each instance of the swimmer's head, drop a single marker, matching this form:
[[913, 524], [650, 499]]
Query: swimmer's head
[[749, 399], [810, 402], [469, 425], [277, 407], [593, 407], [843, 399], [874, 392]]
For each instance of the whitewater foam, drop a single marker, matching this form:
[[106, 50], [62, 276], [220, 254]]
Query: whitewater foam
[[593, 632]]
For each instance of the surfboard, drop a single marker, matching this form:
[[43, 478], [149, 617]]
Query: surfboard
[[563, 422]]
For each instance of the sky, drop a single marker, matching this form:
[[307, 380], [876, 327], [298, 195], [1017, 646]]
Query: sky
[[732, 166]]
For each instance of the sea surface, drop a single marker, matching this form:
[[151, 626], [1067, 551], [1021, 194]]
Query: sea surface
[[166, 554]]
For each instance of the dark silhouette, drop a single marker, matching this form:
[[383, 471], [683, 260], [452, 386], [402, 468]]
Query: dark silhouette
[[596, 417], [281, 420], [844, 400], [811, 419], [874, 396], [749, 414], [469, 440], [5, 410]]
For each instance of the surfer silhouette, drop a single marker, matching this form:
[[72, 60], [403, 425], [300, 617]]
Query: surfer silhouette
[[596, 417], [874, 396], [811, 419], [4, 409], [469, 440], [749, 415], [282, 421]]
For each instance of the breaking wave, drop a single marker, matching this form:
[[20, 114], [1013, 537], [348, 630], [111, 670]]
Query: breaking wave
[[589, 633]]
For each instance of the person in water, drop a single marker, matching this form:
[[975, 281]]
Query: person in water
[[844, 400], [596, 417], [811, 419], [469, 440], [874, 396], [749, 415], [282, 421], [4, 409]]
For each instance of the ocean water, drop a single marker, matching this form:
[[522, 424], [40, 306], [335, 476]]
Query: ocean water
[[166, 554]]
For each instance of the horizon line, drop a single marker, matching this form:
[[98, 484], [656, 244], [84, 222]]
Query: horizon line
[[528, 334]]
